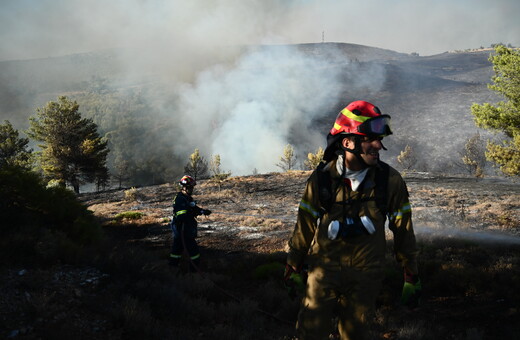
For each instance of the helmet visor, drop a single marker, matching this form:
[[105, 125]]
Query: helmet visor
[[377, 126]]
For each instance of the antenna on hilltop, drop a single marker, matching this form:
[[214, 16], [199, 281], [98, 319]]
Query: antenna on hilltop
[[322, 36]]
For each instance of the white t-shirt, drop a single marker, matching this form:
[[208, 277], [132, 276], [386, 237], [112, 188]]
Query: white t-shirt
[[355, 177]]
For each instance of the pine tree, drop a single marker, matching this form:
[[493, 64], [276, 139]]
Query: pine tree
[[13, 149], [407, 158], [122, 171], [72, 152], [217, 175], [215, 169], [197, 166], [504, 116], [314, 159], [474, 156], [288, 159]]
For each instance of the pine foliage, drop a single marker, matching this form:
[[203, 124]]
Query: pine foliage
[[504, 116], [474, 156], [72, 152], [288, 159], [13, 148], [314, 159], [407, 158], [41, 223], [197, 166], [215, 168]]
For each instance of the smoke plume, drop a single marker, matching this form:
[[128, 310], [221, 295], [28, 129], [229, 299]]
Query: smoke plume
[[269, 98], [243, 103]]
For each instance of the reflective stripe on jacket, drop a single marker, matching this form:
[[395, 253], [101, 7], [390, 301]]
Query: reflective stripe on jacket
[[310, 243], [185, 211]]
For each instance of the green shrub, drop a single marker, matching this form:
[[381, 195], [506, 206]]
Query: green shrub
[[269, 270], [131, 194], [33, 214], [130, 215]]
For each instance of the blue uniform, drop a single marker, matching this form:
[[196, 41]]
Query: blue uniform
[[184, 228]]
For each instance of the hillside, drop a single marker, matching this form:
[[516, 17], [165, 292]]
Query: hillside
[[354, 52], [467, 230], [428, 97]]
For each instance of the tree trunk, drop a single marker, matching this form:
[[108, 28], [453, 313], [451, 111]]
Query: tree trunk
[[75, 185]]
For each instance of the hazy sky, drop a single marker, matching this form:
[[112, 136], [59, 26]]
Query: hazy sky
[[43, 28]]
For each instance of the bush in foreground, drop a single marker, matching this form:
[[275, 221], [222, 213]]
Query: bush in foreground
[[40, 224]]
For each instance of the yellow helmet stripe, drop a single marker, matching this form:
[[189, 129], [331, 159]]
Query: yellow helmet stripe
[[352, 116]]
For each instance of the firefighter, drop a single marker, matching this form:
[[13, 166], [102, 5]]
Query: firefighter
[[340, 229], [184, 224]]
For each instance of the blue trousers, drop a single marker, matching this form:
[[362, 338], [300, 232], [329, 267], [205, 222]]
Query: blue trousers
[[184, 240]]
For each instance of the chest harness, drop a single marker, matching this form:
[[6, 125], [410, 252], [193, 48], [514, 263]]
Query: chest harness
[[351, 226]]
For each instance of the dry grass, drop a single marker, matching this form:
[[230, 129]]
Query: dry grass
[[470, 287], [492, 211]]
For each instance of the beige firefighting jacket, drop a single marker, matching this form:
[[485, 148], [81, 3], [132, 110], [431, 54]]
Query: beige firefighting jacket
[[310, 243]]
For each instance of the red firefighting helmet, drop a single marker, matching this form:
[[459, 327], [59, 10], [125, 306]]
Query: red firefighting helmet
[[187, 181], [357, 118], [362, 118]]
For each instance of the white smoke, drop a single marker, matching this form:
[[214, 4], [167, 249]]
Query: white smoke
[[268, 99], [457, 233], [248, 109]]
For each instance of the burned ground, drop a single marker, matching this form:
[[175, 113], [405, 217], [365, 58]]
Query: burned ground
[[467, 230]]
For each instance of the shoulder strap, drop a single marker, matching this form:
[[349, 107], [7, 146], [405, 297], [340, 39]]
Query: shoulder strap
[[381, 190], [179, 197], [324, 188]]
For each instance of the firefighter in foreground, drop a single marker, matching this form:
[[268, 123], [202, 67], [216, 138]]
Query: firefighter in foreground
[[184, 224], [340, 229]]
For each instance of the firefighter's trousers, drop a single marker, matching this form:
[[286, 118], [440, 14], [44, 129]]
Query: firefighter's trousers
[[344, 295], [182, 241]]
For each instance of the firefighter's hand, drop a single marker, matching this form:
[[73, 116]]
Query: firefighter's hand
[[412, 290], [206, 212], [288, 271], [293, 281]]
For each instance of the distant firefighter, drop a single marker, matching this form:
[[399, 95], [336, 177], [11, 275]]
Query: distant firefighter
[[340, 229], [184, 225]]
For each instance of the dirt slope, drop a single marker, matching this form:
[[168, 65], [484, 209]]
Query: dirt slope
[[266, 205], [467, 274]]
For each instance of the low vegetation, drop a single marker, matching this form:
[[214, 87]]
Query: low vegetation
[[42, 224], [129, 215], [503, 117], [121, 285]]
